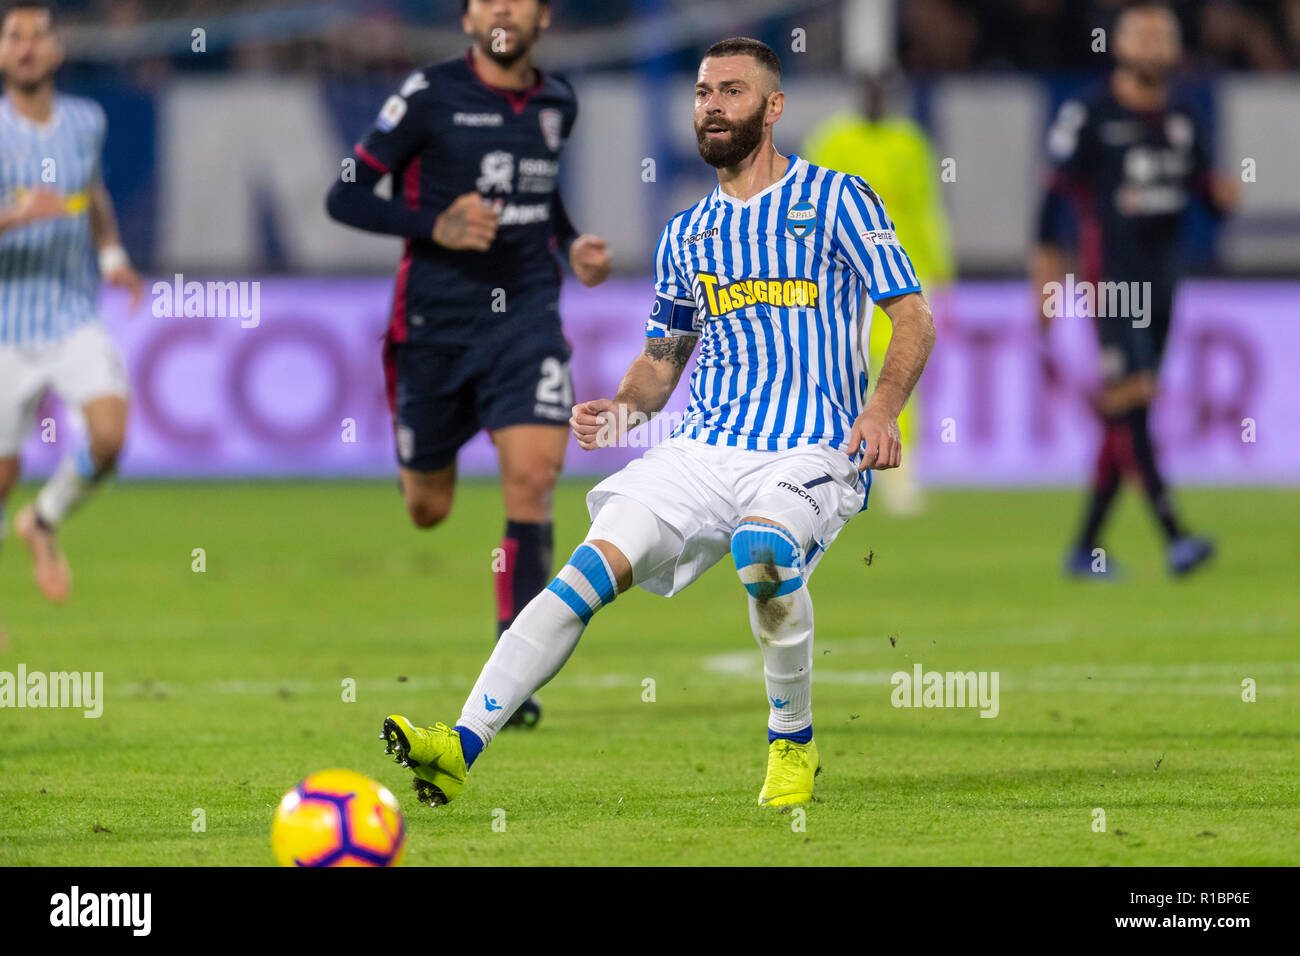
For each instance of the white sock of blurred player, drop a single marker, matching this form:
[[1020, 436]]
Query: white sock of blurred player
[[73, 481]]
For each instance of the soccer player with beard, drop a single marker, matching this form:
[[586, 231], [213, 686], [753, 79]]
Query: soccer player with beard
[[773, 274], [1128, 157], [474, 339], [56, 220]]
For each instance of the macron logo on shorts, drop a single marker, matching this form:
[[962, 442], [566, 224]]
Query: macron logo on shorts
[[802, 492]]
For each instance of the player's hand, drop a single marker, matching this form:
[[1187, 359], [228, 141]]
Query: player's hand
[[127, 278], [596, 424], [38, 204], [1225, 193], [468, 224], [878, 437], [589, 257]]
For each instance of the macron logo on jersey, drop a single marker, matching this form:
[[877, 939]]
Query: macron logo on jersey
[[700, 236], [725, 298]]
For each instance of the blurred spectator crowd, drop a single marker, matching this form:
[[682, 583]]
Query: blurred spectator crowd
[[962, 35], [935, 36]]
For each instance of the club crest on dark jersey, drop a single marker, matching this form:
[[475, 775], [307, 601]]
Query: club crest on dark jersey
[[552, 121]]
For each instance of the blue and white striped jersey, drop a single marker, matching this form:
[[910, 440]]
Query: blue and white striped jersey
[[772, 286], [49, 273]]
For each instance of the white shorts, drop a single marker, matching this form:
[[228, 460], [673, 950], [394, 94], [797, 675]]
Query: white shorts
[[83, 366], [702, 491]]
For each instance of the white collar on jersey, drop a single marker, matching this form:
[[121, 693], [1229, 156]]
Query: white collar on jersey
[[795, 165], [23, 123]]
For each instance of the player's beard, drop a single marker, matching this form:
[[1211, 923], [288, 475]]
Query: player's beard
[[29, 86], [1149, 73], [524, 40], [745, 136]]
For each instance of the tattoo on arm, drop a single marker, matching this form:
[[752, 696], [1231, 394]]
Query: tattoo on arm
[[676, 350]]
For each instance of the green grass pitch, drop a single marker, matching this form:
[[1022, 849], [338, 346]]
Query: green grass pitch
[[223, 688]]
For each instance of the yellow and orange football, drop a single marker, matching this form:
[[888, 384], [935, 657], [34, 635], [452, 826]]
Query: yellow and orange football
[[338, 818]]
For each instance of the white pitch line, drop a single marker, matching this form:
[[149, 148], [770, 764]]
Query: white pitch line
[[267, 688], [1094, 678]]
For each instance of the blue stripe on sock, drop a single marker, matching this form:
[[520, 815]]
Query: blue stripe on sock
[[756, 544], [572, 598], [590, 563], [470, 744], [85, 465], [759, 543], [799, 736]]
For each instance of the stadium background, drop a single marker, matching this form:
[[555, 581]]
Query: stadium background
[[226, 615], [228, 122]]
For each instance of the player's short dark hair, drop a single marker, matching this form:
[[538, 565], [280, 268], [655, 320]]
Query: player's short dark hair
[[15, 5], [748, 46], [1146, 6]]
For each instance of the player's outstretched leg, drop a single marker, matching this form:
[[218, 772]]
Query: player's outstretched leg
[[769, 562], [9, 468], [75, 479], [527, 552], [531, 457], [528, 655], [1085, 560], [1185, 552]]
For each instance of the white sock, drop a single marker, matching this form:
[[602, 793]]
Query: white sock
[[536, 645], [783, 627], [71, 484]]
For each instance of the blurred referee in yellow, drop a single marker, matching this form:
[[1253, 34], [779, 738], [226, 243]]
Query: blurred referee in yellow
[[894, 156]]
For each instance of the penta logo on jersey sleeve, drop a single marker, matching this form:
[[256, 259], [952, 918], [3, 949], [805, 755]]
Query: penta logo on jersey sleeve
[[723, 298], [881, 237]]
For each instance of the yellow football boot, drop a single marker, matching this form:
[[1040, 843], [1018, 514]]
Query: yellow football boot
[[433, 754], [790, 771]]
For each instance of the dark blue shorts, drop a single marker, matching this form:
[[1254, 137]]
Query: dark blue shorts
[[1127, 350], [441, 396]]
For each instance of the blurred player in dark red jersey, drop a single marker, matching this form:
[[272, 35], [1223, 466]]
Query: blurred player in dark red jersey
[[474, 339], [1127, 158]]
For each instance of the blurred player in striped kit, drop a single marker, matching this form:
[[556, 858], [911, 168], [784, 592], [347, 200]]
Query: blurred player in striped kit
[[54, 215], [769, 274]]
